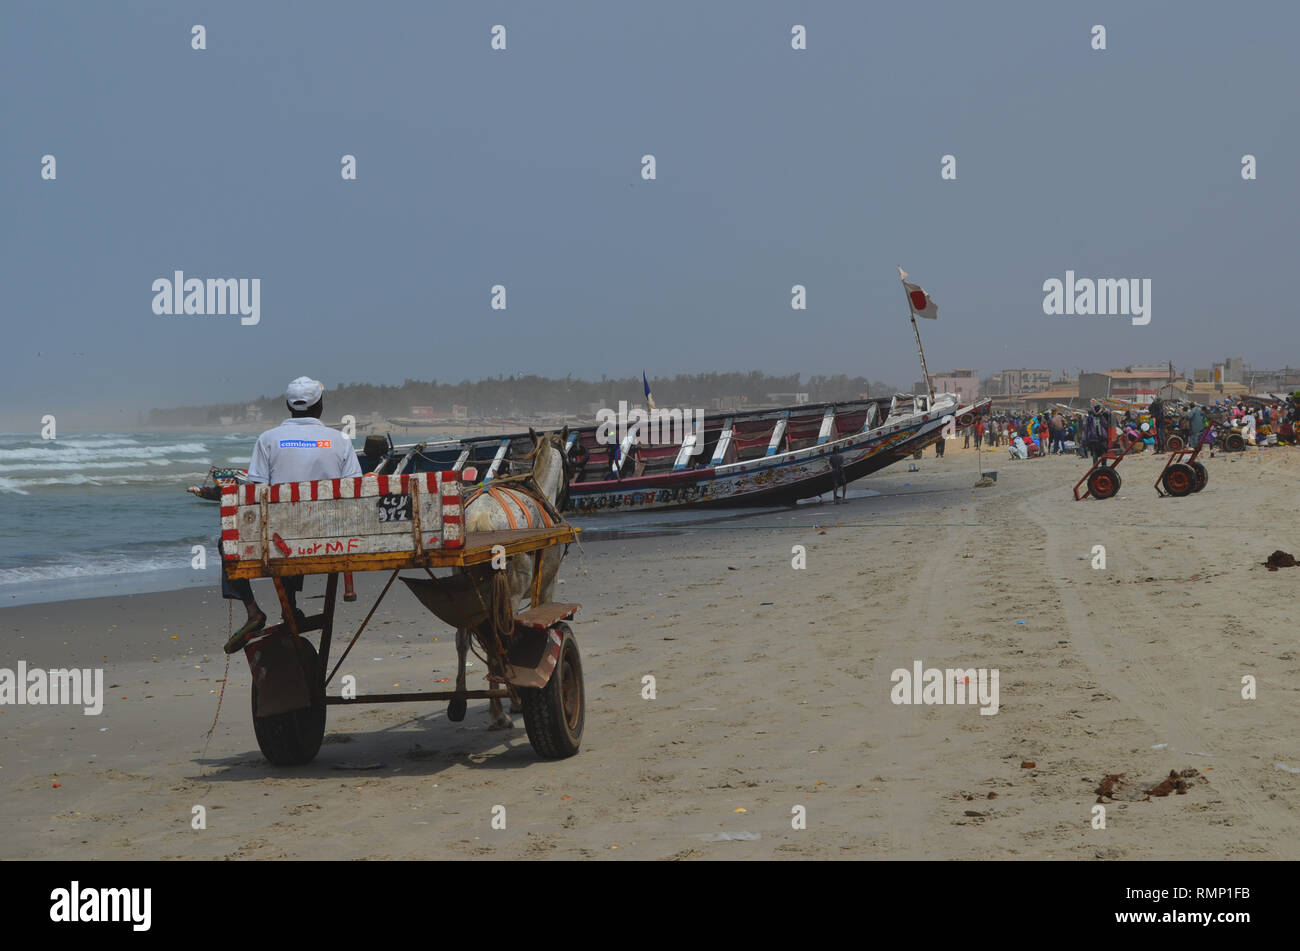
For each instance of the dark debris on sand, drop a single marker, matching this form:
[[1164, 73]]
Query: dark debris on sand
[[1117, 786], [1280, 559]]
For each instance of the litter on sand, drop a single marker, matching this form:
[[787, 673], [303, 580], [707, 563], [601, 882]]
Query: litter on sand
[[741, 836], [1280, 559]]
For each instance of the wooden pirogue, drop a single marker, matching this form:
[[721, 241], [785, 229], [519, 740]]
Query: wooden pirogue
[[395, 523]]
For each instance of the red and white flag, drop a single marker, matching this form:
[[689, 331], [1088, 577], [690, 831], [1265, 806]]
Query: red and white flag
[[921, 303]]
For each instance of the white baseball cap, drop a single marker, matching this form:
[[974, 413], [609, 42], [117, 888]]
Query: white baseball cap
[[304, 392]]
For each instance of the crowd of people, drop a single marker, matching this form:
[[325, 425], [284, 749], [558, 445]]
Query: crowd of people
[[1091, 434]]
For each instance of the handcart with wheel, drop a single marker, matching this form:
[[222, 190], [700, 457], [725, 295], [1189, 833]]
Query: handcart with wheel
[[1101, 481], [1183, 474]]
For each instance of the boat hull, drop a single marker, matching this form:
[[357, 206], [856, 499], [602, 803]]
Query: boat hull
[[774, 480]]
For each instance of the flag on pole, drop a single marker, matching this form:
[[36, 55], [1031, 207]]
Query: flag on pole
[[922, 305], [650, 400]]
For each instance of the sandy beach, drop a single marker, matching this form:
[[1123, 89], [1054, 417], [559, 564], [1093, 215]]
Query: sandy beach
[[773, 690]]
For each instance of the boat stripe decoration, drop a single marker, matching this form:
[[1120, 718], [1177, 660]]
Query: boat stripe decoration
[[314, 518]]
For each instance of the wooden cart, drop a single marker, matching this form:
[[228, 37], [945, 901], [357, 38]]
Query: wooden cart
[[393, 523]]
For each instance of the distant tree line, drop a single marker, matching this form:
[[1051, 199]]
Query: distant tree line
[[528, 395]]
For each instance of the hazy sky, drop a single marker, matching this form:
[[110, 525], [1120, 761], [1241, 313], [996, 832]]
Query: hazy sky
[[523, 167]]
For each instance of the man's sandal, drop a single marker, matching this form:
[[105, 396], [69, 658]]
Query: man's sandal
[[251, 627]]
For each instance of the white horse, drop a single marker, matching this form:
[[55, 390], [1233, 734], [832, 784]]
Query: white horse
[[508, 506]]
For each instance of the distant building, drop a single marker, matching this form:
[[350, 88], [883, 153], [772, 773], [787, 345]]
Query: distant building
[[964, 383], [787, 399], [1272, 381], [1201, 391], [1063, 393], [725, 404], [429, 412], [1231, 370], [1136, 384], [1025, 381]]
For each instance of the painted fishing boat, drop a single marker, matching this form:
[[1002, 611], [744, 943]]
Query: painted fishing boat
[[760, 457], [218, 478]]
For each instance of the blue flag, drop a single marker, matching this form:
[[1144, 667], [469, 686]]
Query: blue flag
[[650, 400]]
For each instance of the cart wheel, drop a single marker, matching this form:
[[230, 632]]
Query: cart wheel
[[1103, 483], [456, 710], [1174, 443], [554, 714], [1234, 442], [294, 738], [1202, 477], [1179, 479]]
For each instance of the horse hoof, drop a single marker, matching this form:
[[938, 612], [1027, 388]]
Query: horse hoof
[[456, 710], [503, 724]]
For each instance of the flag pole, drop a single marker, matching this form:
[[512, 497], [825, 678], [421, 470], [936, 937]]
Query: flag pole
[[911, 311]]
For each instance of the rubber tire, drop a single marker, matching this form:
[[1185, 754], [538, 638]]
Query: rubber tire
[[1202, 476], [1234, 442], [1103, 482], [549, 730], [456, 710], [294, 738], [1174, 443], [1179, 480]]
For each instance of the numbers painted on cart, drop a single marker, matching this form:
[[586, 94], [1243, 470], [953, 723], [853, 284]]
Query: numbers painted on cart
[[394, 508]]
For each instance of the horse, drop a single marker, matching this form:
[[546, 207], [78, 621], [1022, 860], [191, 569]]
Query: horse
[[497, 508]]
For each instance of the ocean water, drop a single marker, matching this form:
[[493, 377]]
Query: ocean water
[[95, 514], [89, 514]]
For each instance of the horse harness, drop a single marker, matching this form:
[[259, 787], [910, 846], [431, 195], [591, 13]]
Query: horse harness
[[504, 496]]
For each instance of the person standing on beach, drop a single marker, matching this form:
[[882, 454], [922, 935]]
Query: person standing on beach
[[1195, 425], [837, 473], [1157, 411], [1096, 432], [1058, 433], [301, 449]]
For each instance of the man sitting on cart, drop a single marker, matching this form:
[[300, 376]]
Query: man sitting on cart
[[301, 449]]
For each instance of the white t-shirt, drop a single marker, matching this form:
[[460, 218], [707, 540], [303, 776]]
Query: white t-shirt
[[302, 450]]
